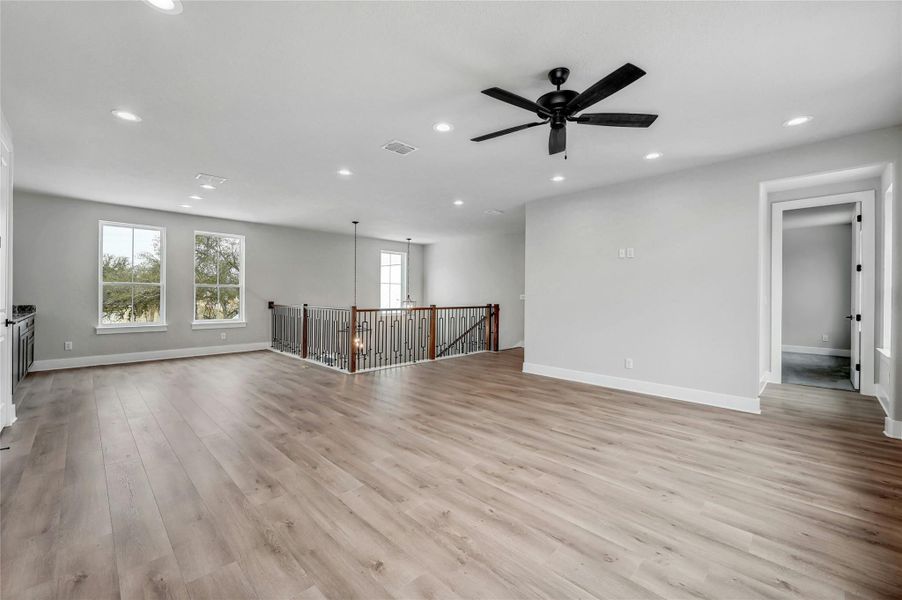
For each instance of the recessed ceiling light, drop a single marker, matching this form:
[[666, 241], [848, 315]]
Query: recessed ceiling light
[[126, 115], [801, 120], [207, 186], [344, 172], [170, 7], [185, 205], [195, 197], [443, 127], [653, 155], [494, 211], [557, 178], [458, 203]]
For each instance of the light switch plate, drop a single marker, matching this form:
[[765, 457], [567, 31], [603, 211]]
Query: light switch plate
[[621, 253], [630, 252]]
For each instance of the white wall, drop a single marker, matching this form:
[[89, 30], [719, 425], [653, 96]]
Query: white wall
[[686, 309], [55, 268], [817, 286], [480, 270]]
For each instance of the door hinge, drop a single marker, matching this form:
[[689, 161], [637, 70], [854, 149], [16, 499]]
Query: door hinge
[[857, 366], [858, 268], [858, 218]]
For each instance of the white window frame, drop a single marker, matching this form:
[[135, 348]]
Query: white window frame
[[403, 256], [104, 328], [886, 337], [218, 323]]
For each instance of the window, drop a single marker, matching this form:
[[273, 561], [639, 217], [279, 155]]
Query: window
[[392, 284], [218, 279], [887, 270], [132, 274]]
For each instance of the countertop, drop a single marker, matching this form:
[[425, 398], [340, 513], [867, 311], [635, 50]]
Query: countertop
[[22, 312]]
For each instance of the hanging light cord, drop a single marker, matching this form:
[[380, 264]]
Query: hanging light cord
[[355, 261]]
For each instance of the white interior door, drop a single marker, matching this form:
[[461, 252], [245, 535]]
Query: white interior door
[[7, 411], [855, 315]]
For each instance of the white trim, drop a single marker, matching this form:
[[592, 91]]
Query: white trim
[[212, 324], [241, 274], [892, 428], [133, 357], [149, 328], [765, 379], [868, 287], [885, 352], [817, 350], [882, 398], [740, 403], [101, 282]]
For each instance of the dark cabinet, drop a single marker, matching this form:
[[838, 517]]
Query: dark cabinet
[[22, 343]]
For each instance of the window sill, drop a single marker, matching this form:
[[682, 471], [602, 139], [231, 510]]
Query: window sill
[[884, 352], [217, 324], [105, 329]]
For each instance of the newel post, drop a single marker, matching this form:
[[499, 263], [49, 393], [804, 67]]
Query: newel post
[[352, 341], [496, 326], [432, 332], [488, 327], [304, 334]]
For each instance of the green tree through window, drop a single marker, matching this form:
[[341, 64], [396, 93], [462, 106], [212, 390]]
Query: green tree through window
[[131, 274], [217, 277]]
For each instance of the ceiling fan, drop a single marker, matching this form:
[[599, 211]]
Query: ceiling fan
[[560, 106]]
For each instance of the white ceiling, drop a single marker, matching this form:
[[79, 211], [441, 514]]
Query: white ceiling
[[277, 96]]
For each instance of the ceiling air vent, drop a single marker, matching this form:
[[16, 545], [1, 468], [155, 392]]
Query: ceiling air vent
[[398, 147]]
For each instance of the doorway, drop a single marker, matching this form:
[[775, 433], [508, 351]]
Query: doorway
[[822, 261]]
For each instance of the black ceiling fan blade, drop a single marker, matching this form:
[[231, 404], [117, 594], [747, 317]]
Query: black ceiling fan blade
[[611, 84], [519, 101], [495, 134], [557, 140], [617, 119]]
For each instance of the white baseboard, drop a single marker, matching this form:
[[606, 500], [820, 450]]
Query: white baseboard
[[133, 357], [892, 428], [882, 397], [740, 403], [765, 379], [817, 350], [7, 415]]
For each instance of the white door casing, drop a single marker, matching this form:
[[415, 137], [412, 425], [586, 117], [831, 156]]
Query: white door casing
[[7, 410], [868, 281]]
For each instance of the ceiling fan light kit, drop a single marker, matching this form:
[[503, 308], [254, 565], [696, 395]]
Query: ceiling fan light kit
[[559, 107]]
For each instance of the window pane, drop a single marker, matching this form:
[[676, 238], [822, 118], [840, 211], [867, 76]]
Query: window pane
[[206, 254], [147, 255], [117, 253], [395, 300], [386, 259], [117, 304], [147, 304], [230, 260], [206, 304], [229, 302], [395, 259], [384, 295], [396, 274]]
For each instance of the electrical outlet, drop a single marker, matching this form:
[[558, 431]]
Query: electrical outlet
[[825, 338], [223, 335], [628, 363], [621, 253], [67, 346]]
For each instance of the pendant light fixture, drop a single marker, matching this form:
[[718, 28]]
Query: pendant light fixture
[[357, 342], [408, 303]]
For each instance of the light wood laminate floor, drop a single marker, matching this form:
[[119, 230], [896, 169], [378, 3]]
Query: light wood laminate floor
[[255, 476]]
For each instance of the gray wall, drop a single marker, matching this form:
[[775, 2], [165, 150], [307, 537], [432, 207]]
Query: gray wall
[[817, 286], [480, 270], [55, 267], [686, 309]]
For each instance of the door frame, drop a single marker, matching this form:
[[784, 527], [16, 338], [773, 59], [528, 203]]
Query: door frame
[[7, 408], [868, 284]]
